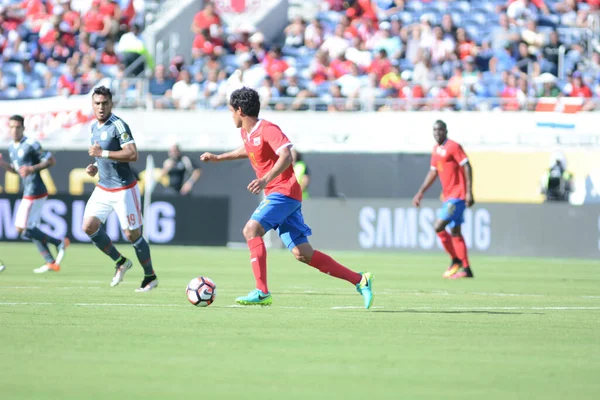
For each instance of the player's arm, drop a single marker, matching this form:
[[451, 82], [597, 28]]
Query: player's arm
[[6, 165], [46, 158], [283, 162], [469, 182], [231, 155], [429, 179], [128, 152]]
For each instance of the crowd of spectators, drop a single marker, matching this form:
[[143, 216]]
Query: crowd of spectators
[[355, 54], [63, 47]]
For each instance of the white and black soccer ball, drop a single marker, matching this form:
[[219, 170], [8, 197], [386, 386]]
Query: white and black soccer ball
[[201, 291]]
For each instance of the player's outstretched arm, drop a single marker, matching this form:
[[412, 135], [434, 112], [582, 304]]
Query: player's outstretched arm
[[232, 155], [128, 153], [469, 182], [429, 179]]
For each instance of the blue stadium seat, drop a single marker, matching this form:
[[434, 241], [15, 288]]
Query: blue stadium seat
[[459, 6]]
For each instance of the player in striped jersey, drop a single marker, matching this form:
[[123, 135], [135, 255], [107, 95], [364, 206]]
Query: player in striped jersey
[[114, 148], [27, 158]]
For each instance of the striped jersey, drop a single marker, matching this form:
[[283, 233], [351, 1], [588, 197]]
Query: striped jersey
[[29, 152], [112, 136]]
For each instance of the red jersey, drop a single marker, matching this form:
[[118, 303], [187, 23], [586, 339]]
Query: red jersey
[[447, 159], [263, 145]]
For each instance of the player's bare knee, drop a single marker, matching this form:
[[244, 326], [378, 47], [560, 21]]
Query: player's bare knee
[[253, 229], [456, 231], [90, 226], [300, 255], [439, 226], [133, 235], [20, 230]]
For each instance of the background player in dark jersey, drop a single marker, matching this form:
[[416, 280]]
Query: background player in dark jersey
[[27, 158], [176, 167], [269, 152], [117, 190], [450, 162]]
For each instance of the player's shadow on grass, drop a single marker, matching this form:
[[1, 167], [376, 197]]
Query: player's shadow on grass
[[457, 312]]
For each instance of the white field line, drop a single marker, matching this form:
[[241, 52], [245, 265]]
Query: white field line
[[549, 308], [319, 291]]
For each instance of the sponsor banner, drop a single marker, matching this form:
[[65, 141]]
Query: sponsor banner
[[52, 119], [170, 220], [548, 230]]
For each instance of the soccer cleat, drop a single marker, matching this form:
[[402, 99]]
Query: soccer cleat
[[46, 268], [120, 271], [2, 267], [463, 272], [255, 298], [62, 247], [452, 269], [149, 283], [365, 288]]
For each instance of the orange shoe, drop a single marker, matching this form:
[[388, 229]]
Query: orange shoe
[[452, 269]]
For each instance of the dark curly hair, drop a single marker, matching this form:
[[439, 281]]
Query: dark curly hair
[[103, 91], [247, 100]]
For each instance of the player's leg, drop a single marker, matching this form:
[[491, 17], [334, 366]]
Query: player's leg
[[445, 216], [129, 211], [294, 234], [460, 246], [97, 210], [271, 212], [26, 221]]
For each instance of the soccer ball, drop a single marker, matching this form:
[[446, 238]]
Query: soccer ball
[[201, 291]]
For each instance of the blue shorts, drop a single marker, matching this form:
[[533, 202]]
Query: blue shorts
[[452, 210], [284, 214]]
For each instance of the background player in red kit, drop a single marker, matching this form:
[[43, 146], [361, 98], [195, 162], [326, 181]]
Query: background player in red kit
[[450, 162], [269, 151]]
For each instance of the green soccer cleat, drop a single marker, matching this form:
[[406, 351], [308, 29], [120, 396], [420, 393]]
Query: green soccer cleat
[[365, 288], [255, 298]]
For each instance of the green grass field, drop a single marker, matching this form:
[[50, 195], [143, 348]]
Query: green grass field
[[522, 329]]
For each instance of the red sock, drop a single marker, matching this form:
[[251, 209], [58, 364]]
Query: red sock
[[258, 258], [329, 266], [461, 250], [447, 243]]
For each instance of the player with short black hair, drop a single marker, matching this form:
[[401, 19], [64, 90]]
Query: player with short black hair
[[269, 152], [114, 148], [450, 162], [27, 159]]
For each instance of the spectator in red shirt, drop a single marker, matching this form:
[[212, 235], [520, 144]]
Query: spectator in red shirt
[[510, 94], [205, 45], [71, 17], [579, 88], [95, 23], [67, 83], [381, 65], [274, 64], [108, 56], [205, 18]]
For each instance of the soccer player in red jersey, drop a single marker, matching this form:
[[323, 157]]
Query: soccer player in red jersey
[[450, 162], [270, 155]]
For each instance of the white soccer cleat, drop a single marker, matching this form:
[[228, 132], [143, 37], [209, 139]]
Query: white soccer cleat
[[43, 269], [120, 273], [2, 267], [62, 247], [148, 286]]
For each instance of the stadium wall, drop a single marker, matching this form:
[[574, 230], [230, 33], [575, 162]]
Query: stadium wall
[[498, 177], [549, 230]]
